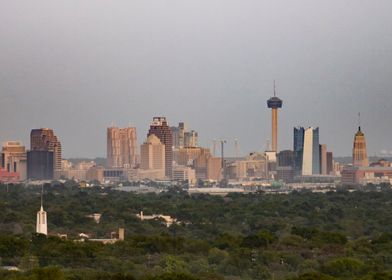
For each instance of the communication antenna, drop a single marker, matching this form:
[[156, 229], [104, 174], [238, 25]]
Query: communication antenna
[[359, 121], [274, 89]]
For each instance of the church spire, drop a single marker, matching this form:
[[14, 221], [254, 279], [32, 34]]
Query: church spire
[[42, 223]]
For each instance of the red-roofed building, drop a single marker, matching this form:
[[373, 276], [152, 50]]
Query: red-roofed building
[[9, 177]]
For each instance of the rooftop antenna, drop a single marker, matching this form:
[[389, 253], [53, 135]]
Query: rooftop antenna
[[359, 121]]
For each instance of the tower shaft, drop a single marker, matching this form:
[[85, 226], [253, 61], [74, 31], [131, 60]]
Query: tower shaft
[[274, 129]]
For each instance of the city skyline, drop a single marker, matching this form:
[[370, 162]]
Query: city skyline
[[85, 70]]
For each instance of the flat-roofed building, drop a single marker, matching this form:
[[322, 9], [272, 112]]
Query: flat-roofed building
[[184, 173], [44, 139], [121, 147], [153, 157], [14, 158], [160, 128]]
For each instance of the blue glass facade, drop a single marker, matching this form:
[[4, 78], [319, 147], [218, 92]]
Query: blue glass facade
[[316, 151], [299, 133], [299, 139]]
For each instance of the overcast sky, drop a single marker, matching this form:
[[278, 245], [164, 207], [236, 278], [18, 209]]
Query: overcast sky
[[77, 66]]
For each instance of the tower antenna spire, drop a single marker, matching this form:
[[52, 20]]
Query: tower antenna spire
[[42, 194], [359, 121], [274, 88]]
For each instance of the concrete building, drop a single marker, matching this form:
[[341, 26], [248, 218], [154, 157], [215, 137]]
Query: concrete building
[[121, 147], [330, 164], [274, 103], [40, 165], [360, 158], [307, 151], [44, 139], [323, 159], [14, 158], [186, 156], [95, 173], [362, 175], [285, 166], [76, 172], [159, 127], [178, 133], [252, 167], [153, 153], [8, 177], [184, 173], [191, 139], [214, 169]]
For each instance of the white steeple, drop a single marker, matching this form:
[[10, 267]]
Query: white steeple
[[42, 226]]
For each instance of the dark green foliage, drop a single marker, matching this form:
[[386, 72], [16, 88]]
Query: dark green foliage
[[303, 235]]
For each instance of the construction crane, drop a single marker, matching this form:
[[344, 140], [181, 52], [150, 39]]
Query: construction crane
[[223, 171], [214, 143], [237, 148]]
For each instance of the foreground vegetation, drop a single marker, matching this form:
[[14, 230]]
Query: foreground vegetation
[[303, 235]]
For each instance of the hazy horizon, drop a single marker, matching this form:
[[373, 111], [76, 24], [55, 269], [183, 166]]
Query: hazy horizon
[[78, 66]]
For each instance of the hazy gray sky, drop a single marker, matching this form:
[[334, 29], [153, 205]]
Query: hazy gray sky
[[76, 66]]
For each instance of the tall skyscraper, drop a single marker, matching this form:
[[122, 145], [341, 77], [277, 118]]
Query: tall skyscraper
[[299, 133], [152, 154], [307, 150], [14, 158], [43, 145], [159, 127], [191, 139], [121, 147], [360, 158], [40, 165], [178, 133], [274, 103], [323, 159], [330, 163]]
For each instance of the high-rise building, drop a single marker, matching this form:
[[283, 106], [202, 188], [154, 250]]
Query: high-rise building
[[274, 103], [307, 151], [159, 127], [299, 133], [178, 133], [330, 169], [360, 158], [152, 158], [285, 166], [14, 158], [121, 147], [45, 140], [323, 159], [152, 153], [40, 165], [191, 139]]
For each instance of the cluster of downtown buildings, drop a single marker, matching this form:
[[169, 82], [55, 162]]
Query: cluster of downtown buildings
[[172, 153]]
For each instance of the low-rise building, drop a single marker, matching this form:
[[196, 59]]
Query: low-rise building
[[366, 175]]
